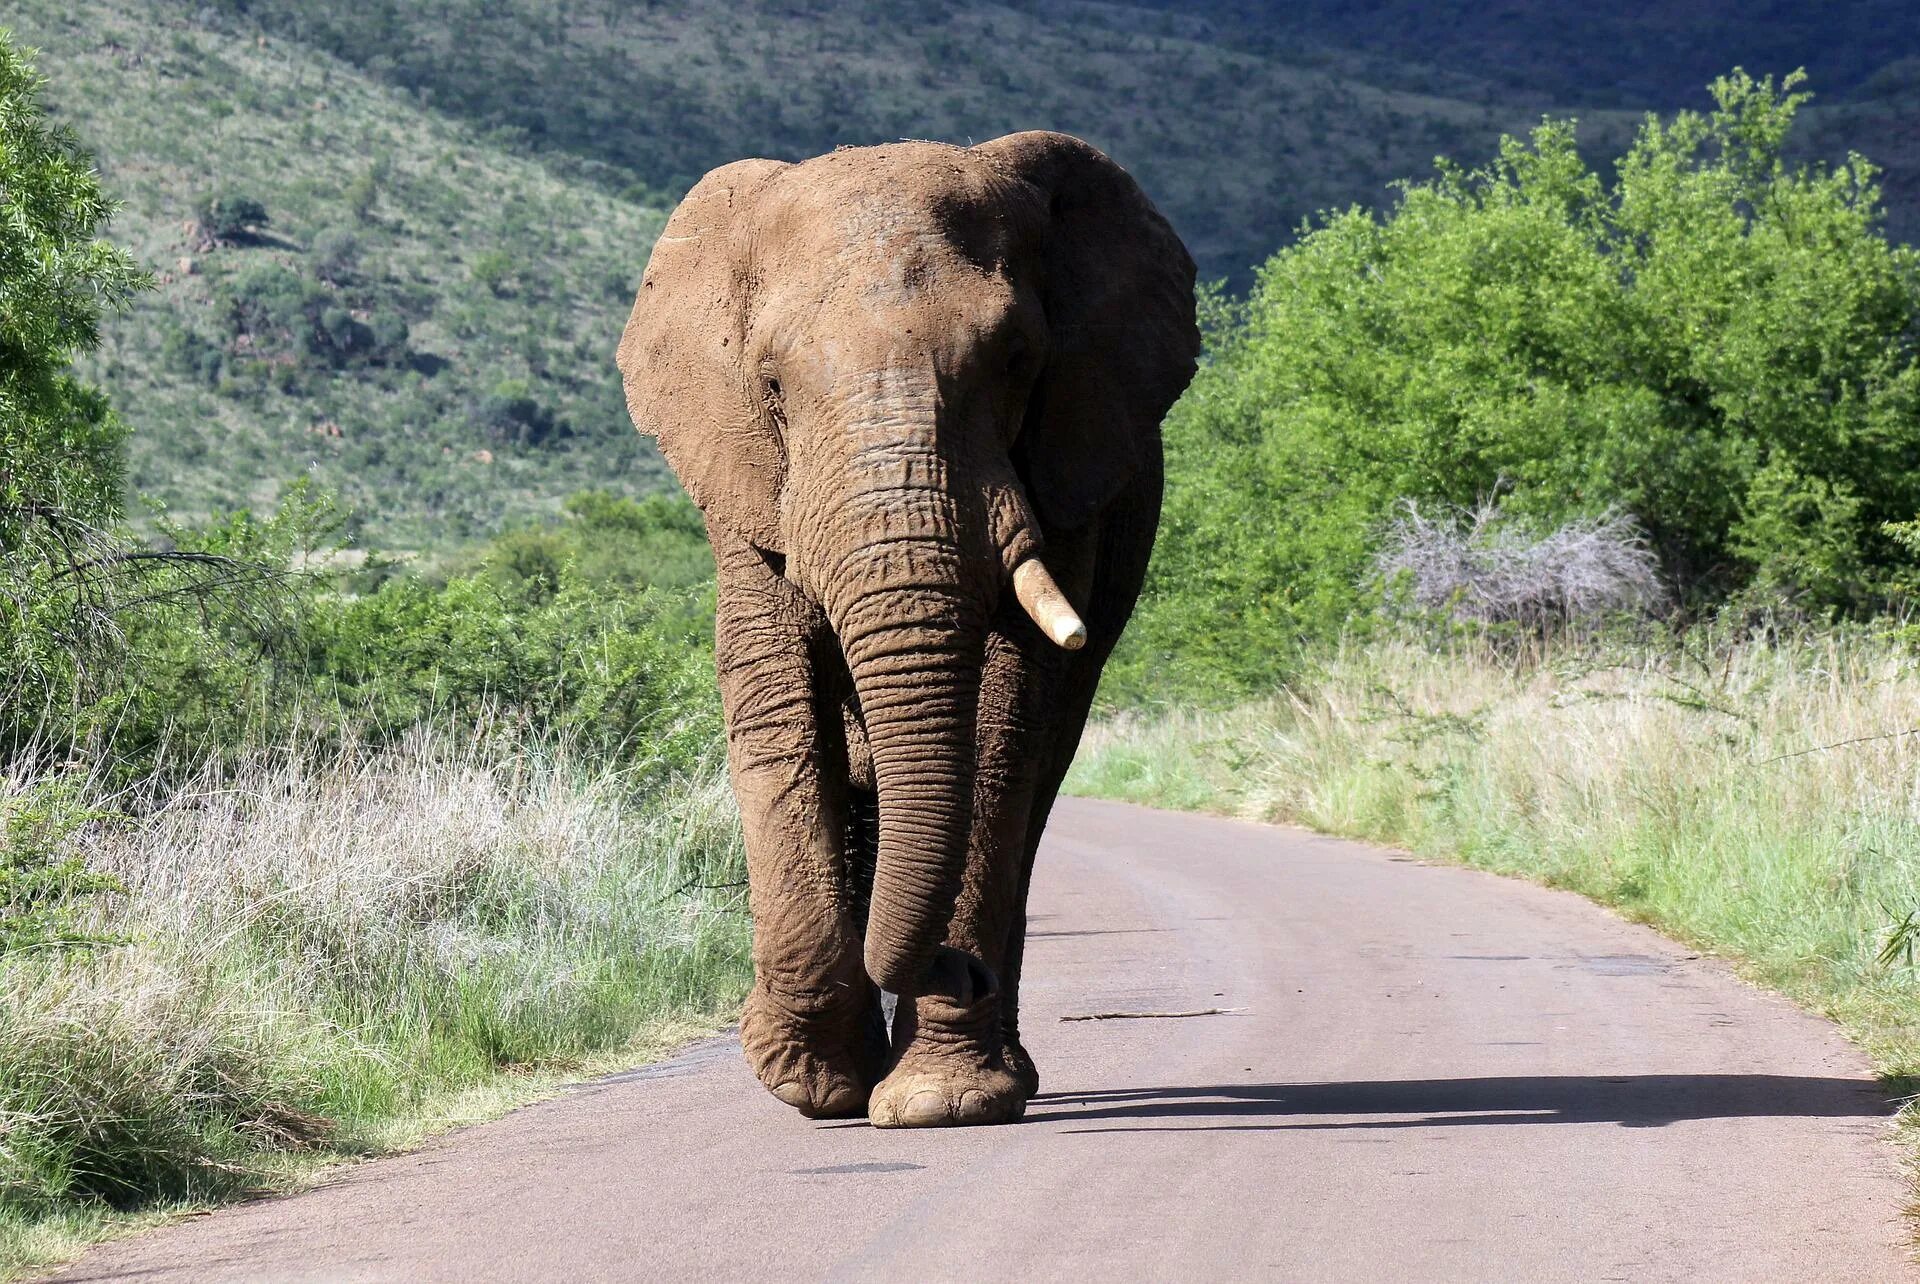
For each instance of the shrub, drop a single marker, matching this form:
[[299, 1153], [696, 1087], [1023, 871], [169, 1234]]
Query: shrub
[[44, 883], [1724, 348], [494, 270], [229, 218], [512, 414], [335, 255], [280, 313], [1481, 567]]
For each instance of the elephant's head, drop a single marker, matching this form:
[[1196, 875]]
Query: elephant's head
[[894, 370]]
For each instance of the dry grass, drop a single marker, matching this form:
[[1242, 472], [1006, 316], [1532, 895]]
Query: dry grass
[[1761, 801], [322, 960]]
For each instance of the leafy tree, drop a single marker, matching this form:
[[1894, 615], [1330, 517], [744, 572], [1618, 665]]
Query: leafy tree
[[61, 469], [59, 442], [1721, 345]]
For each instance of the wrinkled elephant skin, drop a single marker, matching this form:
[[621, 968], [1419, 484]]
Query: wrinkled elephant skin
[[916, 390]]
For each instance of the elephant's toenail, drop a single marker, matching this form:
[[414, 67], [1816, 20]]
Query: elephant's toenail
[[924, 1109], [793, 1094], [842, 1099], [974, 1106]]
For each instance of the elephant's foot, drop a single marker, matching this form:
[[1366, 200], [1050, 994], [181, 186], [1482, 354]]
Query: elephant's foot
[[820, 1057], [950, 1065]]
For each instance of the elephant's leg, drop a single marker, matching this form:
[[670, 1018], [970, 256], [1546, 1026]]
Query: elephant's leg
[[955, 1061], [1121, 549], [811, 1027]]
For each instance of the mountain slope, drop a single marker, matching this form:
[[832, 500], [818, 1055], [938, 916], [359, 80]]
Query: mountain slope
[[1241, 117], [1634, 54], [424, 325]]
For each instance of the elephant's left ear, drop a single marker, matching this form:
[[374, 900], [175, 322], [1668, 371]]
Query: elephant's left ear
[[1122, 341]]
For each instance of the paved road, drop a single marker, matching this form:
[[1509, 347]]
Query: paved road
[[1437, 1075]]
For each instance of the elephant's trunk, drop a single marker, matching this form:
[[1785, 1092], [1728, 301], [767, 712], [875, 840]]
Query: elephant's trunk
[[917, 679], [908, 551], [897, 551]]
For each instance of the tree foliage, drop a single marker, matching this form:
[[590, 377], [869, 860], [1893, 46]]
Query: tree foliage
[[61, 462], [60, 444], [1717, 343]]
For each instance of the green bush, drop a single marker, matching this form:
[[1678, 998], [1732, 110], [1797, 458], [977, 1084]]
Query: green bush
[[512, 414], [1720, 345], [335, 255], [597, 630], [44, 884], [228, 218], [278, 313]]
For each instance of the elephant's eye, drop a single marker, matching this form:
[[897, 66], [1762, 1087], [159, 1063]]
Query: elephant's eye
[[1017, 359], [776, 409]]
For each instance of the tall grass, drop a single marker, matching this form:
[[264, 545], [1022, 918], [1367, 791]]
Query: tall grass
[[317, 959], [1757, 798]]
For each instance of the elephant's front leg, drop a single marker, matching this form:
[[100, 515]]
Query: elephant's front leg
[[812, 1027], [957, 1049]]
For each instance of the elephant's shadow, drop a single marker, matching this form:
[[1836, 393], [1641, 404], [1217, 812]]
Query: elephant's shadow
[[1631, 1101]]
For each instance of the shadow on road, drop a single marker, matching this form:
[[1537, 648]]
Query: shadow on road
[[1632, 1101]]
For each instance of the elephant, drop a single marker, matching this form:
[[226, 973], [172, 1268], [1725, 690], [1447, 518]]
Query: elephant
[[916, 391]]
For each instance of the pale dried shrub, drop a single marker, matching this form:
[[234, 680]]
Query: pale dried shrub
[[1481, 566]]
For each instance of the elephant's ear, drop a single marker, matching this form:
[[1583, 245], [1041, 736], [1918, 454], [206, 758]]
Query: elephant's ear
[[680, 359], [1118, 294]]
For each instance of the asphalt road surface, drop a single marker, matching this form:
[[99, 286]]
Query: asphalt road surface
[[1422, 1073]]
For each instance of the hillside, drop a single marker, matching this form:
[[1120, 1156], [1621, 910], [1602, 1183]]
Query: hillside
[[1242, 117], [424, 324], [490, 173], [1635, 54], [1237, 146]]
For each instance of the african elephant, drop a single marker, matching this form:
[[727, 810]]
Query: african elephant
[[901, 381]]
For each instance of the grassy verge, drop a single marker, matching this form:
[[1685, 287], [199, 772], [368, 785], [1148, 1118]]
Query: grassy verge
[[1758, 801], [324, 961]]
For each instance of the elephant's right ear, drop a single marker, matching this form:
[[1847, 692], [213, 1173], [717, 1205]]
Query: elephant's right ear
[[680, 359]]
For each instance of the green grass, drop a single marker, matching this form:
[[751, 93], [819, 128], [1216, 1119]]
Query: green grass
[[328, 960], [1754, 801]]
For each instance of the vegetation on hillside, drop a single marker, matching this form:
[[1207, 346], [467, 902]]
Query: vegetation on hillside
[[352, 289], [1575, 53], [1720, 344]]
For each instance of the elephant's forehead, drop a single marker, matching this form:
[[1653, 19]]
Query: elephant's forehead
[[899, 217]]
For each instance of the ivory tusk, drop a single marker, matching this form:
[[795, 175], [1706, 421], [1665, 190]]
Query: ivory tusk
[[1042, 599]]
